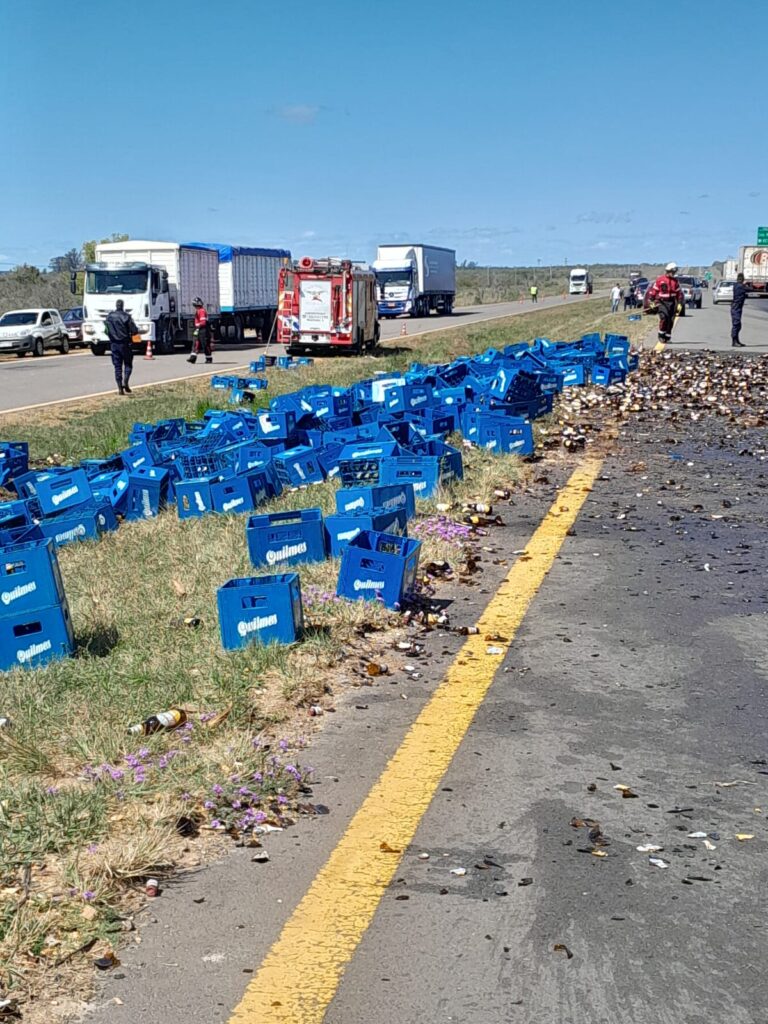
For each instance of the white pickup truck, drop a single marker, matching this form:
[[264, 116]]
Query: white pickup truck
[[32, 330]]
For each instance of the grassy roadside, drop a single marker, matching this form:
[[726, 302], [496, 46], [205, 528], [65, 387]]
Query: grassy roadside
[[89, 812]]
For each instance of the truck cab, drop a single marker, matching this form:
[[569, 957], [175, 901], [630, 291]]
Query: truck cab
[[146, 295], [396, 287], [580, 282]]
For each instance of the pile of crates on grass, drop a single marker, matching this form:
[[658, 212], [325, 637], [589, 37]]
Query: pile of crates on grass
[[384, 438]]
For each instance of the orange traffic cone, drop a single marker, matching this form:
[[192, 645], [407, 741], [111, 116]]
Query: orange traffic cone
[[404, 330], [148, 353]]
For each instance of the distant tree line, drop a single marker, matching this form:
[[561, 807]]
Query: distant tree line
[[27, 287]]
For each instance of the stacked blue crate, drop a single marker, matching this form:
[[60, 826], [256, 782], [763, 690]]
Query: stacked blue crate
[[35, 624]]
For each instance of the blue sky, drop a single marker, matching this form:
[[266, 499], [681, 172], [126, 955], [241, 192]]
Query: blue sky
[[513, 132]]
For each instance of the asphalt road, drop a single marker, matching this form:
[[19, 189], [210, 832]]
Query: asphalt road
[[53, 378], [640, 663], [710, 327]]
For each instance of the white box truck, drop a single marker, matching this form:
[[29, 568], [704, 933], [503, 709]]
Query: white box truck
[[580, 282], [248, 287], [415, 279], [157, 282], [753, 264]]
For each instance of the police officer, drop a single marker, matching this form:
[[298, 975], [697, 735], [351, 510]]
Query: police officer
[[740, 293], [534, 293], [120, 331]]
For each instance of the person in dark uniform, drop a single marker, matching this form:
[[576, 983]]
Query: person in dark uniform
[[120, 331], [740, 294]]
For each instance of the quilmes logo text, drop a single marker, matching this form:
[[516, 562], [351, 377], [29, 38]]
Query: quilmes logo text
[[229, 505], [357, 503], [369, 584], [68, 492], [73, 534], [260, 622], [286, 551], [33, 651], [395, 502], [13, 595]]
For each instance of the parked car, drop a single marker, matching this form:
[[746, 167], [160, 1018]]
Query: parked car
[[691, 290], [73, 322], [641, 288], [32, 330], [723, 292]]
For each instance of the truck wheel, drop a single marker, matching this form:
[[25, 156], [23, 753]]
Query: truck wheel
[[38, 348], [98, 348], [20, 355], [239, 329], [64, 346]]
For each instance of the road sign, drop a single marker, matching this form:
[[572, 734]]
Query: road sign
[[762, 236], [708, 276]]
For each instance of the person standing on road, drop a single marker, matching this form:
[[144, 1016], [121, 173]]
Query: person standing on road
[[534, 293], [202, 333], [120, 330], [615, 298], [665, 292], [629, 298], [740, 295]]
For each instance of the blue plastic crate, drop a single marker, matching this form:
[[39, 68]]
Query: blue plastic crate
[[378, 566], [29, 577], [63, 490], [147, 492], [506, 434], [194, 498], [139, 456], [222, 382], [286, 538], [284, 362], [340, 530], [298, 466], [15, 513], [35, 637], [86, 522], [603, 376], [408, 398], [274, 426], [351, 500], [305, 361], [118, 491], [14, 460], [571, 376], [260, 609], [232, 494], [425, 472], [440, 419]]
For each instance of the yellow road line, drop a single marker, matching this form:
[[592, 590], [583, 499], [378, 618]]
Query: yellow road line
[[300, 974]]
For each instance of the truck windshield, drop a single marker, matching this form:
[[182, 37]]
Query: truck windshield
[[116, 282], [400, 277], [578, 278], [18, 319]]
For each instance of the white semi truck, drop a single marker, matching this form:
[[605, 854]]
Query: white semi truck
[[753, 264], [415, 279], [157, 282], [580, 282]]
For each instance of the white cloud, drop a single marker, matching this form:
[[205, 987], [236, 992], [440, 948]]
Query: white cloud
[[299, 113], [596, 217], [309, 234]]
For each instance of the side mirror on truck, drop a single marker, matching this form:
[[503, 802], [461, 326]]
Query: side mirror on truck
[[73, 282]]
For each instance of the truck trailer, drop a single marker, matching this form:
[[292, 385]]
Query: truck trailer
[[327, 305], [415, 279], [248, 287], [753, 264], [157, 282]]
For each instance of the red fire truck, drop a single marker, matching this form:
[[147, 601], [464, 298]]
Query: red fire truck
[[327, 304]]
